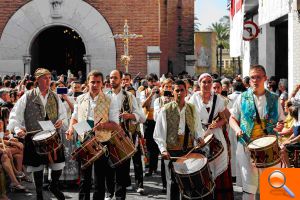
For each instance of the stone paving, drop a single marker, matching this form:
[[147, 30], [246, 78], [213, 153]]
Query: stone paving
[[152, 186]]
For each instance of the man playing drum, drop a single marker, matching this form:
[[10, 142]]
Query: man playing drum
[[177, 126], [36, 105], [124, 110], [93, 107], [255, 114]]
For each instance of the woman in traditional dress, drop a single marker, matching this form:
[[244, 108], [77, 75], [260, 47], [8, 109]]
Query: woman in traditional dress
[[211, 106]]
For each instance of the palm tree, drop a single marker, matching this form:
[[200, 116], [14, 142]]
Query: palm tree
[[222, 31], [196, 24], [221, 28]]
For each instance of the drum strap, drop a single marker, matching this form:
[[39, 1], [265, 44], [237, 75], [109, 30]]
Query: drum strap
[[186, 137], [258, 120], [212, 109]]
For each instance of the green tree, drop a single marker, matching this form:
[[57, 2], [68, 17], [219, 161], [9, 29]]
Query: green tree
[[222, 30], [196, 24]]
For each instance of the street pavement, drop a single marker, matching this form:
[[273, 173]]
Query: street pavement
[[152, 186]]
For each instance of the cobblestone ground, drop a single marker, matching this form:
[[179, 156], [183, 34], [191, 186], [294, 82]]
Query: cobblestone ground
[[152, 186]]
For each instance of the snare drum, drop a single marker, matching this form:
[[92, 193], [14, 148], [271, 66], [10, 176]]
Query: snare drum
[[88, 152], [265, 151], [120, 147], [196, 181], [46, 142], [215, 147]]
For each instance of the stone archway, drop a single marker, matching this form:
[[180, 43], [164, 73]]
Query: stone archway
[[37, 15]]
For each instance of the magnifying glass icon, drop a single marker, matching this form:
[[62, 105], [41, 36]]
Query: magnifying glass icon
[[277, 180]]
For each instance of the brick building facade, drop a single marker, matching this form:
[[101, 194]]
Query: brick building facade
[[166, 26]]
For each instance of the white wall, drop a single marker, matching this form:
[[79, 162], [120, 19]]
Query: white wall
[[294, 49], [266, 49]]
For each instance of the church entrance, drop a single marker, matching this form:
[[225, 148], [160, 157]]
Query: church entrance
[[58, 48]]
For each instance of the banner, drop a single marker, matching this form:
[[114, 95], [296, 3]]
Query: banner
[[236, 27], [269, 11]]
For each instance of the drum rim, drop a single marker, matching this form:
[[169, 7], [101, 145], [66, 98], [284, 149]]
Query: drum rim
[[52, 150], [211, 139], [45, 139], [205, 165], [217, 155], [262, 148], [196, 198], [268, 165]]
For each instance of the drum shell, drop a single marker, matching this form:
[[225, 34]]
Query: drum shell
[[266, 156], [215, 148], [32, 158], [89, 152], [197, 185], [48, 145], [120, 147]]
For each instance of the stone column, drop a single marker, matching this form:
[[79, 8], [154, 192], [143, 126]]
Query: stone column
[[153, 60], [26, 62], [87, 60]]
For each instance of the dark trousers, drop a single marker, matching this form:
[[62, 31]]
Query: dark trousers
[[38, 181], [152, 147], [103, 174], [137, 164], [122, 180], [163, 173]]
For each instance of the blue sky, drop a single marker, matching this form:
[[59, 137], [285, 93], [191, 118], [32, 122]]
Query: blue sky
[[209, 11]]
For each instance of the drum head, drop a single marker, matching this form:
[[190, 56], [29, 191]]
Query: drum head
[[190, 164], [43, 135], [262, 142], [208, 138]]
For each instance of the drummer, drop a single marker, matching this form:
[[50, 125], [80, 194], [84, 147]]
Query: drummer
[[124, 110], [91, 107], [171, 132], [255, 114], [36, 105], [211, 107]]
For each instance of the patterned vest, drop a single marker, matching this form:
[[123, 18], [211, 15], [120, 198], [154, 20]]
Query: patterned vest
[[173, 119], [248, 114], [35, 110], [101, 111]]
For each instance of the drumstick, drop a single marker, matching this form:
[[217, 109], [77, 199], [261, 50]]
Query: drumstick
[[31, 132], [175, 158]]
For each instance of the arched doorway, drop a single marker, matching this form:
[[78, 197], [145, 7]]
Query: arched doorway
[[32, 19], [58, 48]]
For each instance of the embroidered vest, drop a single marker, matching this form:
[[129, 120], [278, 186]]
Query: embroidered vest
[[35, 110], [173, 119], [126, 107], [248, 114], [100, 111]]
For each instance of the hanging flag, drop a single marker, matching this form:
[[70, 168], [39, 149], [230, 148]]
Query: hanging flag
[[236, 27]]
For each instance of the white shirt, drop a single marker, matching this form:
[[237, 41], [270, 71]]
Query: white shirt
[[143, 97], [116, 105], [16, 117], [160, 131], [157, 105], [92, 105], [260, 102]]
